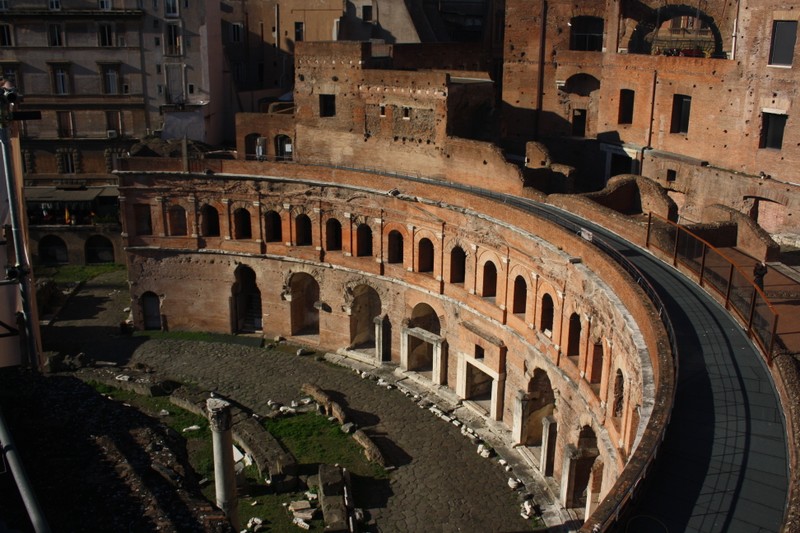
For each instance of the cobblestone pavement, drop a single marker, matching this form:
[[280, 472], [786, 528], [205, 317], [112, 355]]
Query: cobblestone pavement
[[440, 483]]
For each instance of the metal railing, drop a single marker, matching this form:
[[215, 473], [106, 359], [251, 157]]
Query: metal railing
[[715, 270]]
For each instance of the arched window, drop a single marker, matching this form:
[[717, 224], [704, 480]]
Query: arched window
[[596, 370], [302, 225], [425, 256], [209, 221], [333, 235], [395, 246], [574, 338], [363, 241], [250, 145], [176, 216], [489, 280], [619, 394], [520, 295], [241, 224], [458, 263], [273, 231], [546, 320]]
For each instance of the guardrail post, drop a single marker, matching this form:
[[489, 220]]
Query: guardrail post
[[772, 338], [649, 224], [728, 290], [703, 264], [752, 311], [675, 250]]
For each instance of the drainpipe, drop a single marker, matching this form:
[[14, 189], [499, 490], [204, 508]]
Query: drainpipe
[[648, 145]]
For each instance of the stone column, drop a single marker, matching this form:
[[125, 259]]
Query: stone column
[[378, 324], [436, 375], [219, 417]]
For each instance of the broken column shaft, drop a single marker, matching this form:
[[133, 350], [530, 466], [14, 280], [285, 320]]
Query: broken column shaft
[[219, 417]]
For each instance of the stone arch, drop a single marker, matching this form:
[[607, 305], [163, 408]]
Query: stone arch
[[363, 240], [420, 355], [246, 301], [458, 265], [333, 234], [242, 226], [519, 303], [546, 314], [539, 403], [574, 335], [395, 247], [176, 221], [641, 41], [302, 230], [489, 280], [99, 249], [366, 307], [209, 221], [304, 291], [273, 227], [424, 316], [581, 84], [52, 250], [151, 310], [425, 255]]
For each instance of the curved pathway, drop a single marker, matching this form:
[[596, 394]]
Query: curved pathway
[[724, 462]]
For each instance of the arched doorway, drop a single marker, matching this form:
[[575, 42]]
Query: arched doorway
[[395, 247], [420, 351], [99, 250], [538, 429], [246, 301], [333, 235], [458, 263], [520, 296], [302, 225], [151, 311], [242, 229], [209, 221], [425, 256], [52, 251], [283, 148], [305, 295], [273, 231], [365, 308], [363, 241], [489, 289]]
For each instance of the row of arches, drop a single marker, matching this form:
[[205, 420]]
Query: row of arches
[[53, 250], [527, 297]]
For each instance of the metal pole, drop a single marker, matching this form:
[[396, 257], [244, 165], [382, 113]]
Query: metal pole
[[20, 269], [20, 477]]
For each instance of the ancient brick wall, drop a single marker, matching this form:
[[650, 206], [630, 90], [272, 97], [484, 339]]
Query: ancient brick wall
[[310, 286]]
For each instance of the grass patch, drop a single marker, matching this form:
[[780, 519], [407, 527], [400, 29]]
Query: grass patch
[[311, 438], [72, 274], [314, 440]]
